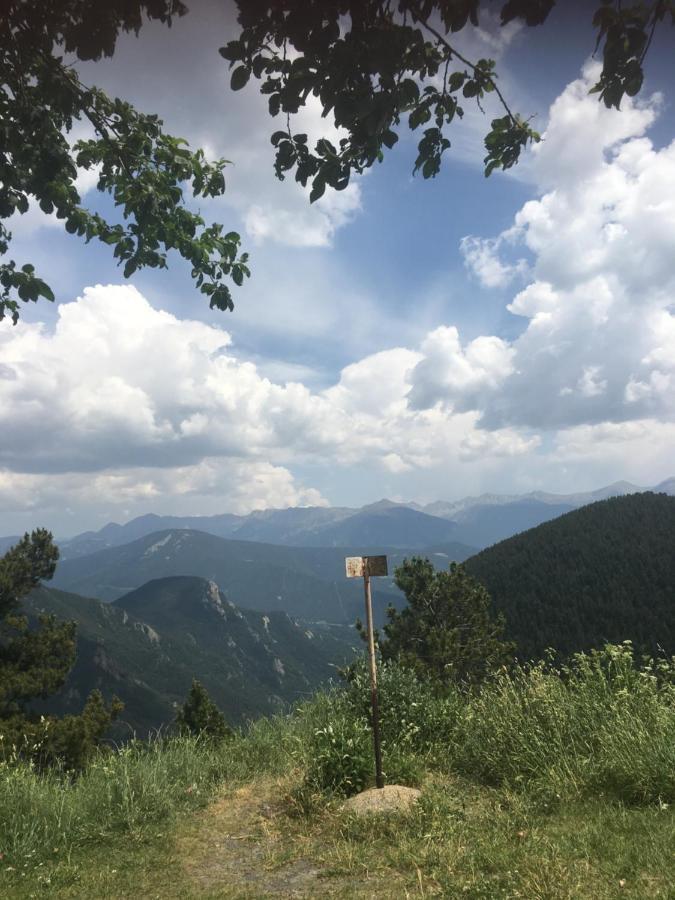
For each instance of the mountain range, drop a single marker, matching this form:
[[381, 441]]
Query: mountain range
[[308, 582], [263, 624], [476, 522], [148, 645]]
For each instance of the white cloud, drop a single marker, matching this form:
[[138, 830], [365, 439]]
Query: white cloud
[[208, 487], [482, 257], [452, 375], [305, 226], [598, 341], [581, 132], [124, 407], [132, 405]]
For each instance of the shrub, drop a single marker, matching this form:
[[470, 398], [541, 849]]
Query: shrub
[[603, 724], [447, 630]]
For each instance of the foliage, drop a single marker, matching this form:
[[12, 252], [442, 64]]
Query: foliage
[[135, 825], [35, 663], [199, 715], [539, 777], [123, 791], [338, 756], [415, 715], [604, 725], [414, 720], [130, 789], [141, 167], [31, 663], [446, 630], [605, 572], [340, 752], [374, 63]]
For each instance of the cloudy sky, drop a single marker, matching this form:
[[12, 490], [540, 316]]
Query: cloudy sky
[[409, 339]]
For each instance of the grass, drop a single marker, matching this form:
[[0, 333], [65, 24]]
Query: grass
[[545, 783], [463, 840]]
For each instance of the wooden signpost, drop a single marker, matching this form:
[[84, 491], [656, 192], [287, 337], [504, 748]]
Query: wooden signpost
[[365, 567]]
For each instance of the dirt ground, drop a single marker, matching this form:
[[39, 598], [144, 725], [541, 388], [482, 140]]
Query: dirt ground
[[239, 847]]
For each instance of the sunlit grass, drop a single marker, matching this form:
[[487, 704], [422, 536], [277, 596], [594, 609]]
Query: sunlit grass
[[543, 783]]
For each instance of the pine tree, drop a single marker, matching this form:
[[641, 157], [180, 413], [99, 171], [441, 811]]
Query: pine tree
[[35, 662], [199, 715], [446, 630]]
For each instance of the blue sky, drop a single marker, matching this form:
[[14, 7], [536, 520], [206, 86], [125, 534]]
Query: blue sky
[[419, 340]]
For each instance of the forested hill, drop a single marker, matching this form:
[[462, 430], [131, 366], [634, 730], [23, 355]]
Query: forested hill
[[605, 572]]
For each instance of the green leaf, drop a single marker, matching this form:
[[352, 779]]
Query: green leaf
[[45, 291], [389, 138], [240, 78], [274, 104], [318, 189]]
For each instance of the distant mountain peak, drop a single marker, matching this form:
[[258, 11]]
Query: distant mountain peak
[[666, 487], [380, 505]]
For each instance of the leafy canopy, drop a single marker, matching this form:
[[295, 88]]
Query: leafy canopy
[[375, 63], [145, 170], [372, 63], [446, 631]]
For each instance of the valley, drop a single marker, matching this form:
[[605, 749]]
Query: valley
[[263, 625]]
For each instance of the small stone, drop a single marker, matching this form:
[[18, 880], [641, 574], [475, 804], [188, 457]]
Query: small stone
[[390, 798]]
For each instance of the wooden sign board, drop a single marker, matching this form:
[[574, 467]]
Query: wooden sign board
[[357, 566]]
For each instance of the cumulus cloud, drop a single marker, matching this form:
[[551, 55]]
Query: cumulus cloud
[[458, 376], [121, 406], [483, 257], [599, 242], [209, 487], [124, 401]]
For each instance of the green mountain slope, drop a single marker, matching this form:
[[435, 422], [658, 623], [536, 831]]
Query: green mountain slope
[[605, 572], [257, 576], [305, 582], [147, 648]]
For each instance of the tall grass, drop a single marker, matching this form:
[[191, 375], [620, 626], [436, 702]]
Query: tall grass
[[129, 790], [604, 726]]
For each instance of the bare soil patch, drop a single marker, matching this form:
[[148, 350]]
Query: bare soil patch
[[241, 846]]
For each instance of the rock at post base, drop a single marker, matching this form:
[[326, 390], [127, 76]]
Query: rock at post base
[[390, 798]]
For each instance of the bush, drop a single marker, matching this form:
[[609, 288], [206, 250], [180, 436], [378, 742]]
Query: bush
[[417, 714], [603, 724], [415, 721], [340, 753]]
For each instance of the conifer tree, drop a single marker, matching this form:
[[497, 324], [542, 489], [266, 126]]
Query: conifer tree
[[34, 664], [199, 715], [447, 629]]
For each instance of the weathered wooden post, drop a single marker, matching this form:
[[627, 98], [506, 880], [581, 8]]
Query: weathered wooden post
[[366, 566]]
